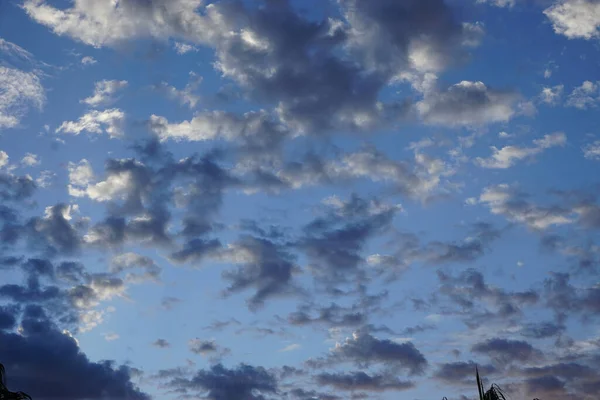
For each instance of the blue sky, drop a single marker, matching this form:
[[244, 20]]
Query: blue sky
[[286, 199]]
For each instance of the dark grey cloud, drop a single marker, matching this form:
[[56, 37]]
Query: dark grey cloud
[[507, 351], [363, 350], [48, 364], [386, 34], [472, 295], [271, 231], [565, 299], [220, 383], [38, 267], [547, 385], [410, 249], [542, 330], [71, 271], [412, 330], [220, 325], [363, 381], [303, 394], [161, 343], [7, 317], [332, 315], [169, 302], [196, 250], [266, 266], [461, 371], [198, 346], [16, 188], [467, 104], [334, 242], [54, 233]]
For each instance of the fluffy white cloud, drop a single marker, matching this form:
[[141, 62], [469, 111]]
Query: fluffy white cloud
[[592, 150], [102, 23], [467, 103], [104, 92], [3, 158], [30, 160], [585, 96], [88, 60], [552, 95], [508, 201], [185, 96], [575, 19], [115, 186], [132, 261], [508, 156], [109, 121], [18, 91], [80, 176], [498, 3], [182, 48], [45, 179]]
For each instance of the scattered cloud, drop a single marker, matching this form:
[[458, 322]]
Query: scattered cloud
[[467, 104], [30, 160], [508, 156], [585, 96], [104, 93], [552, 95], [291, 347], [88, 60], [575, 19], [19, 90], [108, 121], [591, 151], [183, 48]]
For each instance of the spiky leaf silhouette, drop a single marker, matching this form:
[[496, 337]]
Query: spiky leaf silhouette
[[6, 394]]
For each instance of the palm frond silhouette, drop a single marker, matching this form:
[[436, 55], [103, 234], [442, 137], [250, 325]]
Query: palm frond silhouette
[[6, 394], [493, 393]]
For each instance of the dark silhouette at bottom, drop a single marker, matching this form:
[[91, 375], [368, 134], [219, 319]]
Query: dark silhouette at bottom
[[493, 393], [6, 394]]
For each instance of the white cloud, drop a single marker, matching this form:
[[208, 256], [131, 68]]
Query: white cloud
[[182, 48], [585, 96], [106, 23], [467, 103], [186, 95], [115, 186], [291, 347], [80, 174], [18, 91], [3, 158], [16, 53], [210, 125], [592, 150], [45, 179], [30, 160], [551, 95], [575, 19], [474, 33], [108, 121], [88, 60], [505, 135], [498, 3], [109, 337], [507, 201], [104, 92], [132, 261]]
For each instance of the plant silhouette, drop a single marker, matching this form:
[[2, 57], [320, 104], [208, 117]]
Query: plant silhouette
[[6, 394], [493, 393]]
